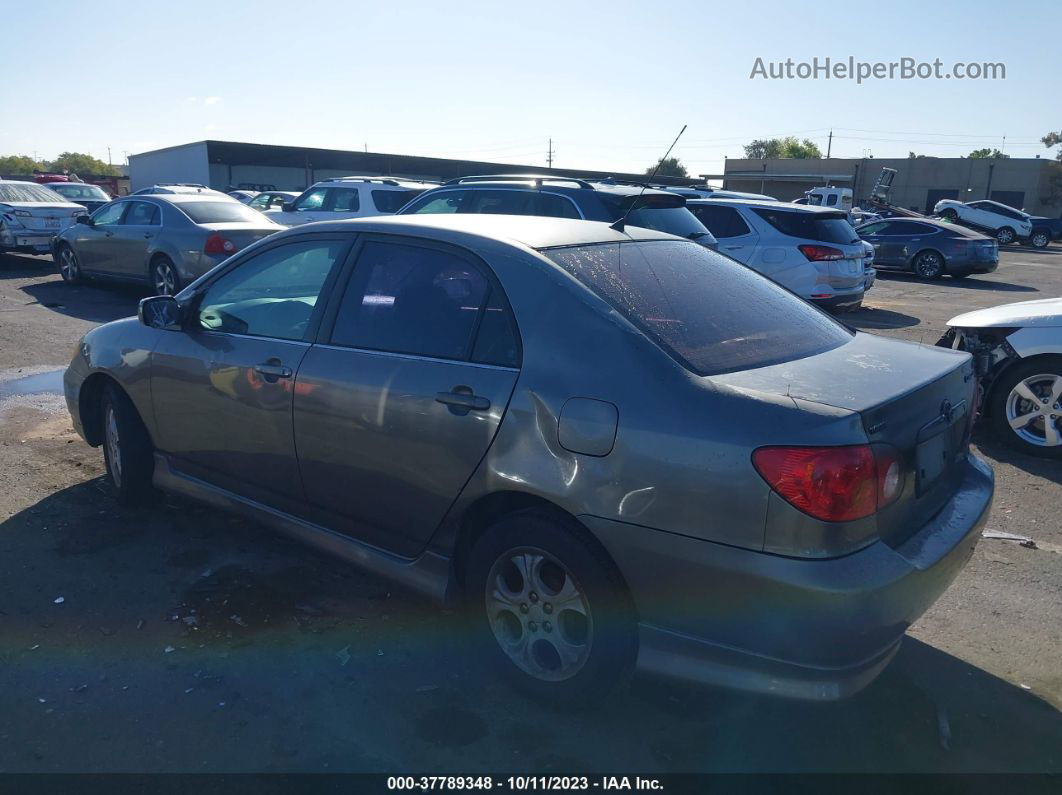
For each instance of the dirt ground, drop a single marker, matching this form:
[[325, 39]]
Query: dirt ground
[[177, 639]]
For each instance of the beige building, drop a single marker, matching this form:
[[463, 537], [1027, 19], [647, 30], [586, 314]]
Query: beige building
[[1031, 184]]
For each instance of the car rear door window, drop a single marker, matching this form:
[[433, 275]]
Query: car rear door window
[[908, 229], [554, 206], [391, 201], [272, 293], [141, 214], [438, 203], [344, 200], [820, 226], [501, 202], [711, 314], [721, 221], [423, 301]]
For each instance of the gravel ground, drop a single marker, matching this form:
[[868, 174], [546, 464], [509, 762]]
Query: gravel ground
[[178, 639]]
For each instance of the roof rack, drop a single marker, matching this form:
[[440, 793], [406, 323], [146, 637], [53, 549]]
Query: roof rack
[[539, 178], [383, 180], [179, 185], [629, 182]]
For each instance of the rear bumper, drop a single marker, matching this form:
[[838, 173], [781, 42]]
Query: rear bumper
[[963, 267], [38, 241], [814, 629], [846, 300]]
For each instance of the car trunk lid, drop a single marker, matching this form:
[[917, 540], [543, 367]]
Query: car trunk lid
[[45, 217], [241, 234], [908, 396]]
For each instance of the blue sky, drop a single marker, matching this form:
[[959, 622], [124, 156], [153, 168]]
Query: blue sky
[[611, 83]]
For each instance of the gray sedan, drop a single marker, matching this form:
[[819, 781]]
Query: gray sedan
[[167, 240], [618, 450]]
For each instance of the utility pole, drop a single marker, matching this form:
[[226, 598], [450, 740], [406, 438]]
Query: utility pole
[[829, 145], [109, 163], [1003, 145], [549, 154]]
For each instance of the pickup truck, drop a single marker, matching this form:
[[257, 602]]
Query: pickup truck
[[1044, 231]]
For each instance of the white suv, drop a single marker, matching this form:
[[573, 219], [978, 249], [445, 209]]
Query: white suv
[[349, 197], [1002, 222], [813, 251]]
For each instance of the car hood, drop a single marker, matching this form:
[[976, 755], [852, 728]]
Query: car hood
[[1042, 313]]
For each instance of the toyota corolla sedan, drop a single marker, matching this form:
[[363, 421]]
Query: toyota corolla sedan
[[167, 240], [31, 215], [620, 450]]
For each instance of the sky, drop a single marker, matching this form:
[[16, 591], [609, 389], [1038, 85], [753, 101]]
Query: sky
[[610, 82]]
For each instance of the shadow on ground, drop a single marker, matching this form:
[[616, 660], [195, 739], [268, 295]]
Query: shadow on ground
[[177, 639], [989, 443], [975, 282], [97, 302]]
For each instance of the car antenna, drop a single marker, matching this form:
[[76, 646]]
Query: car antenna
[[618, 226]]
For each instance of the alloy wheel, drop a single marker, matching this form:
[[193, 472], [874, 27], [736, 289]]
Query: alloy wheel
[[1040, 240], [164, 278], [68, 267], [1005, 236], [1034, 409], [111, 439], [929, 265], [539, 614]]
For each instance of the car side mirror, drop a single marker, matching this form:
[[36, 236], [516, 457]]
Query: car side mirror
[[160, 311], [85, 219], [288, 207]]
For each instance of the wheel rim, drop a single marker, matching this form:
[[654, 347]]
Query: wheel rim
[[1039, 240], [1005, 235], [114, 458], [165, 279], [68, 265], [928, 265], [1033, 409], [539, 614]]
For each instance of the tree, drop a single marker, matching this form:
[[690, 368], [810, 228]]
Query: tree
[[669, 167], [80, 163], [1053, 139], [18, 165], [772, 148], [986, 154]]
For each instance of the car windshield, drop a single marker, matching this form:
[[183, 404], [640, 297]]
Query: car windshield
[[26, 192], [75, 192], [712, 314], [220, 212]]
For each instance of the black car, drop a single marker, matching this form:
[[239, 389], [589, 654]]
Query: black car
[[91, 197], [929, 249], [564, 197], [1044, 231]]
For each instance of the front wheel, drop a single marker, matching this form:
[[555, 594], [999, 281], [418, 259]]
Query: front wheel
[[127, 450], [1005, 236], [556, 614], [69, 267], [929, 265], [1026, 406], [1040, 239], [164, 277]]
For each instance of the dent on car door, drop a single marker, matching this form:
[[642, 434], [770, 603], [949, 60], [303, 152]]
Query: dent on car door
[[397, 406], [222, 388]]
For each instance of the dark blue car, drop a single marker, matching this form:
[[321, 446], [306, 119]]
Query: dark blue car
[[929, 249]]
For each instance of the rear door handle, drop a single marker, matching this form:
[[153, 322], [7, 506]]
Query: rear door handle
[[461, 400], [731, 248], [148, 235], [272, 370]]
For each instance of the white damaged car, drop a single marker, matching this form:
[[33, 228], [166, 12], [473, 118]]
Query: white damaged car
[[1017, 350], [31, 215]]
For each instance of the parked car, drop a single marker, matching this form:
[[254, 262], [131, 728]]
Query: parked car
[[869, 271], [167, 240], [91, 197], [930, 249], [813, 251], [272, 199], [708, 192], [348, 197], [717, 482], [1004, 223], [31, 215], [564, 197], [167, 188], [1044, 231], [1017, 350], [242, 196]]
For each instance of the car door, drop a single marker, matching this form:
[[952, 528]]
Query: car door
[[93, 242], [875, 235], [977, 213], [222, 388], [736, 238], [309, 205], [400, 399], [131, 238]]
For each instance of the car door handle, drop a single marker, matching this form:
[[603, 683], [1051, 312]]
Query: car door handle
[[109, 233], [148, 235], [461, 400], [272, 370], [731, 248]]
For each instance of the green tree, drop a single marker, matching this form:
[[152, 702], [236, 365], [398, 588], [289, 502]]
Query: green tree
[[669, 167], [790, 146], [19, 164], [1053, 139], [985, 154], [80, 163]]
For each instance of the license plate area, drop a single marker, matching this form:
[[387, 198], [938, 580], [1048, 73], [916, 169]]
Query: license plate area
[[940, 444]]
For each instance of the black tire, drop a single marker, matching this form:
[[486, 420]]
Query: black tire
[[69, 265], [1005, 236], [949, 215], [164, 277], [1039, 239], [999, 402], [928, 265], [129, 454], [606, 633]]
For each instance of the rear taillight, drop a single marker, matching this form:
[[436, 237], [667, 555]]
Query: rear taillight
[[835, 484], [820, 253], [216, 244]]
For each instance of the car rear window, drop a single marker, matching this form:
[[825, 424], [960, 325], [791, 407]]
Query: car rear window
[[711, 314], [28, 193], [675, 220], [222, 212], [824, 227]]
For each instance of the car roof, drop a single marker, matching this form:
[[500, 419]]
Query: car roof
[[554, 183], [75, 184], [532, 231], [181, 198], [765, 204]]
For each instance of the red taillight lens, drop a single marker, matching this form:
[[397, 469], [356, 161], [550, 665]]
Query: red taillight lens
[[819, 253], [835, 484], [216, 244]]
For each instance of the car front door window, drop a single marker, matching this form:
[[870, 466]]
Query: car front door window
[[110, 214], [314, 200]]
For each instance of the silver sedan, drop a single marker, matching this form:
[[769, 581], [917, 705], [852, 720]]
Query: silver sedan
[[167, 240]]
